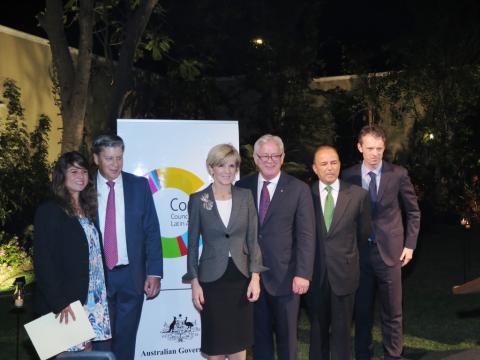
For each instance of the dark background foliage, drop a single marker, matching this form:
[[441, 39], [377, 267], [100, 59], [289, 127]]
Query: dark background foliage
[[24, 169], [213, 69]]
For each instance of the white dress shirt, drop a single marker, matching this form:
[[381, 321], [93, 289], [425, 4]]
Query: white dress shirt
[[322, 190], [103, 190], [271, 187]]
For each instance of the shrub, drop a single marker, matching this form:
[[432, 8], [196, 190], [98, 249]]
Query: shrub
[[14, 259], [24, 168]]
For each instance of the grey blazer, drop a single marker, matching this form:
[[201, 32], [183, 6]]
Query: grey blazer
[[239, 237]]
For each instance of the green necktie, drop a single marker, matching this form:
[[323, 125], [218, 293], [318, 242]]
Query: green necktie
[[328, 208]]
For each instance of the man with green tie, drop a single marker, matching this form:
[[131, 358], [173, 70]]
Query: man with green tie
[[342, 214]]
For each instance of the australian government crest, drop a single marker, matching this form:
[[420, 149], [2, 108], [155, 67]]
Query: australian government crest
[[180, 329], [178, 332]]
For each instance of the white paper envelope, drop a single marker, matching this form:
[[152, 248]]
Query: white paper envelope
[[50, 338]]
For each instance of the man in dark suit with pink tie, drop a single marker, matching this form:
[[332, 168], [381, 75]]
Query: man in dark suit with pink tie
[[390, 246], [287, 240]]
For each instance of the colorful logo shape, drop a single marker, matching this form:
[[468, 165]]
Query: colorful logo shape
[[179, 180]]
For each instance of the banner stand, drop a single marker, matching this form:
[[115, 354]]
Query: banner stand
[[171, 154]]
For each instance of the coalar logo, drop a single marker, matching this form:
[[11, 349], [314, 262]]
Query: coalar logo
[[171, 187], [180, 329]]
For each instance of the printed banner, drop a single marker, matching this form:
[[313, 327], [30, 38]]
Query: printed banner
[[169, 328], [171, 154]]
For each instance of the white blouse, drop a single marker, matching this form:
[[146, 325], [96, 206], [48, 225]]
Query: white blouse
[[224, 209]]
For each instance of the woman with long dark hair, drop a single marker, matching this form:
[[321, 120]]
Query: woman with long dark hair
[[67, 249]]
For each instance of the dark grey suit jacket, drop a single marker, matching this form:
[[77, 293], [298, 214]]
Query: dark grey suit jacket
[[287, 236], [395, 193], [240, 237], [337, 251]]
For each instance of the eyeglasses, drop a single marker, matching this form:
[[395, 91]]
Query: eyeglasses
[[273, 157]]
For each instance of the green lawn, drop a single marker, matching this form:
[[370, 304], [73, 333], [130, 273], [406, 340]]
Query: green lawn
[[435, 320]]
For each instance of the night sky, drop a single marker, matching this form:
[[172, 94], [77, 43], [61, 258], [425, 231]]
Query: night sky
[[336, 36]]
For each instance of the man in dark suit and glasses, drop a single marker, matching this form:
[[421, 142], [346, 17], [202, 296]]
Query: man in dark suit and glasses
[[131, 241], [390, 245], [343, 225], [287, 240]]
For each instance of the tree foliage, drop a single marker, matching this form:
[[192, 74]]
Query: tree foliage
[[112, 28], [436, 109], [24, 168], [440, 90], [444, 153], [431, 97]]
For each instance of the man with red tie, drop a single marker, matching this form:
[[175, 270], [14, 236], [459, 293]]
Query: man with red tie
[[131, 242]]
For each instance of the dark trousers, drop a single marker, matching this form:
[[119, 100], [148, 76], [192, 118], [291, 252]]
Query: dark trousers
[[330, 323], [125, 305], [277, 314], [374, 273]]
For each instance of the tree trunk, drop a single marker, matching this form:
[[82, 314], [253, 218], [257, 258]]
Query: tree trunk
[[73, 77], [122, 80]]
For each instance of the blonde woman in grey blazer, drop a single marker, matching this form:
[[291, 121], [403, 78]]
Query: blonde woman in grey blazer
[[225, 280]]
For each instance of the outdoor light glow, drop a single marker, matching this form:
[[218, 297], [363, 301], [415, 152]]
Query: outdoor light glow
[[428, 136], [258, 41], [465, 222]]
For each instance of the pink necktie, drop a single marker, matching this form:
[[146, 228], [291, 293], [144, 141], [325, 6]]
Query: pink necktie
[[110, 233], [264, 202]]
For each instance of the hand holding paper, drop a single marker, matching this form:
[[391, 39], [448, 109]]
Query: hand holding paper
[[64, 314], [50, 337]]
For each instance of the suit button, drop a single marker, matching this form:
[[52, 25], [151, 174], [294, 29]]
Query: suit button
[[227, 236]]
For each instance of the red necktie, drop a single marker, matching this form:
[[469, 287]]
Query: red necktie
[[110, 233]]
